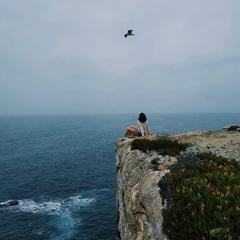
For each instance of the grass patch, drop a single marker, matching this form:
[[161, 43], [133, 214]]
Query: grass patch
[[163, 145], [205, 201]]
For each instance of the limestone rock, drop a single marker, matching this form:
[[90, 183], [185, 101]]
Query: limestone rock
[[139, 202]]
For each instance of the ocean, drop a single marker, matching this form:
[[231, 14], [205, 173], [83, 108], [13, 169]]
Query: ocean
[[61, 169]]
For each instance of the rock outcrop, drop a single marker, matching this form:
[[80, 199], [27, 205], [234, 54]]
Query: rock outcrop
[[9, 203], [140, 197], [233, 127]]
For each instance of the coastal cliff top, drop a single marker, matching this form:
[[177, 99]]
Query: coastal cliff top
[[221, 138], [224, 143]]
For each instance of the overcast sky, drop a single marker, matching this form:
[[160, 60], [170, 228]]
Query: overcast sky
[[70, 56]]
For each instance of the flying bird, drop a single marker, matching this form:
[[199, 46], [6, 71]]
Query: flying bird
[[129, 33]]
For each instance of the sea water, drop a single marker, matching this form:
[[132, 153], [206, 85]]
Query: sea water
[[61, 169]]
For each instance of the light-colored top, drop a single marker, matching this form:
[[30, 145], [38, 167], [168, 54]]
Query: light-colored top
[[143, 128]]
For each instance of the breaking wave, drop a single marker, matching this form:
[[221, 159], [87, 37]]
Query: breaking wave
[[54, 207], [63, 212]]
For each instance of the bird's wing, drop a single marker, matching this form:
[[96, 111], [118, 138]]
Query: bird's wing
[[130, 31]]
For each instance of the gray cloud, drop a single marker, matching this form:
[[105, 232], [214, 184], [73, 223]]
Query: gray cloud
[[72, 57]]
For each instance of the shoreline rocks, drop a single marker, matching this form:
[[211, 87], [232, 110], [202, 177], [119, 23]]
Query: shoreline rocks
[[9, 203], [232, 127]]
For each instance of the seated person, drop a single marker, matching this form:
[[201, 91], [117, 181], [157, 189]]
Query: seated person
[[142, 128]]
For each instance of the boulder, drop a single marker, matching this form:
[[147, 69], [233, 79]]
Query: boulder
[[9, 203], [232, 127]]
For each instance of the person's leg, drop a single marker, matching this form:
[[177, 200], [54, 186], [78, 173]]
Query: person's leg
[[135, 129], [131, 129]]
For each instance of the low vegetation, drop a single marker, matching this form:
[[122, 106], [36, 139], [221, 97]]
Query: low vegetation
[[205, 201], [163, 145]]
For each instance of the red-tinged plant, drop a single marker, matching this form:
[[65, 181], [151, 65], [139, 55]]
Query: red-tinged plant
[[205, 201]]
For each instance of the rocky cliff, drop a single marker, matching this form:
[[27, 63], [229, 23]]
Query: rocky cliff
[[140, 199]]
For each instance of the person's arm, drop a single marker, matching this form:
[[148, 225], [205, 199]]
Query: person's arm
[[148, 127]]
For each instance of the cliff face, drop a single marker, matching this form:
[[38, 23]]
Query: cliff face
[[139, 203], [139, 197]]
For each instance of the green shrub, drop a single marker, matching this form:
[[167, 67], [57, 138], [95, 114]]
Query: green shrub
[[163, 145], [205, 201]]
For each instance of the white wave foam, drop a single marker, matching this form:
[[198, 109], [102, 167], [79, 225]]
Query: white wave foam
[[78, 201], [64, 212], [54, 207], [50, 208]]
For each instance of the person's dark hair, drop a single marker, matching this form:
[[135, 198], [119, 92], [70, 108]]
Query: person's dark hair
[[142, 117]]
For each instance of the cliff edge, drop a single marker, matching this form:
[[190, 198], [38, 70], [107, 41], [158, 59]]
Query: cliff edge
[[139, 196]]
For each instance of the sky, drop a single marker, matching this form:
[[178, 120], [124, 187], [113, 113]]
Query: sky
[[71, 56]]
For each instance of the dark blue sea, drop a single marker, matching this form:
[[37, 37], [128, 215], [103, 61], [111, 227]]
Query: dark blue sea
[[61, 169]]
